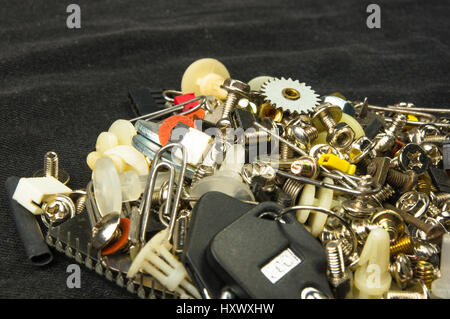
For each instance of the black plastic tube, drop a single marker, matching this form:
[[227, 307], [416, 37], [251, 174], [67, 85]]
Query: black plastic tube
[[28, 228]]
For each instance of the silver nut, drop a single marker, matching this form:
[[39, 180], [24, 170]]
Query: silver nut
[[236, 86], [341, 136]]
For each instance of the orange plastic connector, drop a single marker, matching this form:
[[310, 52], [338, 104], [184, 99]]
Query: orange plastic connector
[[169, 124]]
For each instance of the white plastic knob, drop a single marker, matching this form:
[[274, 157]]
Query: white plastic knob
[[204, 77], [372, 278]]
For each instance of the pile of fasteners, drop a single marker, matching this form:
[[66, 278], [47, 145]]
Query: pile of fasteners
[[263, 189]]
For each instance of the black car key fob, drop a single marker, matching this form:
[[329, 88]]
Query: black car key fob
[[263, 258], [213, 212]]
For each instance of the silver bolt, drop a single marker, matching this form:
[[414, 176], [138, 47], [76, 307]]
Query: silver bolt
[[235, 89], [339, 135], [51, 168]]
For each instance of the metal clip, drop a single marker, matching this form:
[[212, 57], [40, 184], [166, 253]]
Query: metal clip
[[171, 204]]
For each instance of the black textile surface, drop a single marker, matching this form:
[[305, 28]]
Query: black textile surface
[[60, 88]]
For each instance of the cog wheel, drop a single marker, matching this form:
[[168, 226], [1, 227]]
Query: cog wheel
[[290, 95]]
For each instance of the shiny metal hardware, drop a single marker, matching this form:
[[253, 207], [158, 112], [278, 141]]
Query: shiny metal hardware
[[339, 135], [171, 204], [314, 182], [172, 109], [235, 90], [51, 168]]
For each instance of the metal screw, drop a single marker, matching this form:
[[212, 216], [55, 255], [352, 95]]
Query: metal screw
[[57, 210], [439, 139], [412, 157], [433, 152], [337, 275], [425, 272], [401, 270], [402, 181], [235, 89], [440, 198], [418, 204], [339, 135], [384, 194], [385, 141], [51, 168], [301, 132], [425, 185], [305, 166], [426, 130], [200, 172], [403, 245], [391, 221], [360, 207], [433, 233]]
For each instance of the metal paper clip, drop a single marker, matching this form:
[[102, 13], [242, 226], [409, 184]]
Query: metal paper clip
[[171, 204]]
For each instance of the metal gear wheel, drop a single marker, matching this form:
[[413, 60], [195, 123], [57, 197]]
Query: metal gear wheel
[[290, 95]]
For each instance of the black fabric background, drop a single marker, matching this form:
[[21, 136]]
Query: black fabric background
[[60, 88]]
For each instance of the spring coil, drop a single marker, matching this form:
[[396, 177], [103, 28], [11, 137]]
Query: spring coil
[[293, 188]]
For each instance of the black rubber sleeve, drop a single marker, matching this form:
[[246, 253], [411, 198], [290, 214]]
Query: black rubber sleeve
[[36, 248]]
